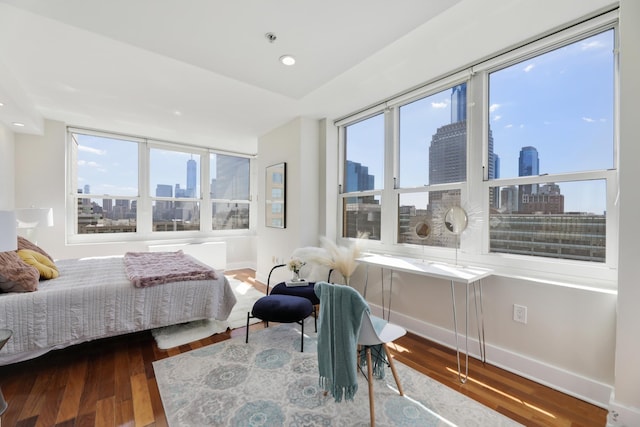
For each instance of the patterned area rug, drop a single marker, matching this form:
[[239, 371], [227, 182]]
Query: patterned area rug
[[270, 383], [176, 335]]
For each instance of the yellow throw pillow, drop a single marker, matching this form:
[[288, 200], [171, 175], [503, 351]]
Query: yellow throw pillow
[[45, 266]]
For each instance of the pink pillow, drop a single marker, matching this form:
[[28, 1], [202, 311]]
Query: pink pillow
[[16, 275]]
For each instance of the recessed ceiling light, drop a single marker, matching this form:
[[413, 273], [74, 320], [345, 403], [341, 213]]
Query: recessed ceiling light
[[18, 124], [287, 59]]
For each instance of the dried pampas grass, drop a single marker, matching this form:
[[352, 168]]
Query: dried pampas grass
[[340, 258]]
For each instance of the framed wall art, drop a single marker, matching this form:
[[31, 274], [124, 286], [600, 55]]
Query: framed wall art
[[275, 195]]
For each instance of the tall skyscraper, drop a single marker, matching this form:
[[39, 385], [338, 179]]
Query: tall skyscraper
[[231, 178], [357, 177], [528, 165], [528, 162], [459, 103], [448, 154], [192, 175]]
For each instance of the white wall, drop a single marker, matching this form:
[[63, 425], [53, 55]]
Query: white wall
[[626, 399], [297, 144], [7, 171]]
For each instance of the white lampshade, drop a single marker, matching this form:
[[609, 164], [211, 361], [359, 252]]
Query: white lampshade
[[8, 232], [34, 217]]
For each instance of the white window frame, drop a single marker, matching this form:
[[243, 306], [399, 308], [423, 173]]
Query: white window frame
[[144, 199], [474, 245]]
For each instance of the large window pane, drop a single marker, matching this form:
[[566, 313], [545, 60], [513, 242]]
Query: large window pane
[[108, 167], [171, 215], [565, 220], [229, 177], [361, 215], [97, 216], [230, 216], [364, 166], [554, 113], [174, 176], [229, 192], [433, 139], [421, 218]]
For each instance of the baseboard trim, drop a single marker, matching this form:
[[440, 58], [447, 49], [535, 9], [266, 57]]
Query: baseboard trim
[[621, 415], [594, 392]]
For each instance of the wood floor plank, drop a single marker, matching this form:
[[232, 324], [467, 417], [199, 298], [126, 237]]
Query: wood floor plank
[[70, 404], [156, 403], [124, 413], [142, 408], [106, 412]]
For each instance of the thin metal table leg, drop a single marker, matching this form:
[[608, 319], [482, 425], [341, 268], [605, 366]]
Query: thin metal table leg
[[366, 282], [480, 321], [382, 289], [455, 327], [390, 293]]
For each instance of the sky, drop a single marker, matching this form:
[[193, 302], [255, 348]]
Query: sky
[[560, 102], [111, 166]]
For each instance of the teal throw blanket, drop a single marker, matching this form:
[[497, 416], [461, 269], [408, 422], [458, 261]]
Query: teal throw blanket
[[341, 311]]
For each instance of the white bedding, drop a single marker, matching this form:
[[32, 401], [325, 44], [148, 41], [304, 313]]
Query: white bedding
[[93, 299]]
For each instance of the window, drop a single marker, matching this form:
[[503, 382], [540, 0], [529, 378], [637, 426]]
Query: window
[[363, 177], [106, 183], [175, 189], [550, 115], [134, 188], [229, 192], [525, 142], [432, 151]]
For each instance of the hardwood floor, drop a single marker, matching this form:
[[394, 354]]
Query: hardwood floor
[[111, 382]]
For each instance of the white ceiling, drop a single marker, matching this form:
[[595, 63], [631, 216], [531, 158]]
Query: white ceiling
[[196, 71]]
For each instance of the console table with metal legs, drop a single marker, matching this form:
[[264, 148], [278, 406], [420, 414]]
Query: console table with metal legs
[[471, 277]]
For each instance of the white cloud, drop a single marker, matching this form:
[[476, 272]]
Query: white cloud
[[528, 68], [439, 104], [594, 44], [497, 117], [588, 119], [509, 126], [91, 150], [493, 107], [89, 164]]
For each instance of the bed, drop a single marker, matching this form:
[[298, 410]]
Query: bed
[[94, 298]]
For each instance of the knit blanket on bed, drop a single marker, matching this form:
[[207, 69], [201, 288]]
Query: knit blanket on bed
[[154, 268]]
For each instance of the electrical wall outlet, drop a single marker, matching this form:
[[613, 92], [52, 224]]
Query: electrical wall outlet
[[520, 313]]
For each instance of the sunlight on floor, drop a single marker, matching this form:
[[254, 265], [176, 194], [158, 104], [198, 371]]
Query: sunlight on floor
[[507, 395], [398, 348]]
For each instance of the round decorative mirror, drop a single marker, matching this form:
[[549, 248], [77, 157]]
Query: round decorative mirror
[[422, 230], [455, 220]]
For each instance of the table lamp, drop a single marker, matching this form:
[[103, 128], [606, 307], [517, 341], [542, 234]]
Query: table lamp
[[32, 218], [8, 231]]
